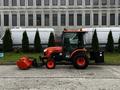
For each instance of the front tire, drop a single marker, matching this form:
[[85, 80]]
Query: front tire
[[50, 64], [80, 62]]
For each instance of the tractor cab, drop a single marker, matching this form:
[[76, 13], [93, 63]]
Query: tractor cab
[[73, 39]]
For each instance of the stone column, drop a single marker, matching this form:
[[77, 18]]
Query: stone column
[[26, 19], [83, 18], [42, 18], [100, 18], [91, 18], [34, 19], [18, 19], [10, 19], [75, 18], [108, 18]]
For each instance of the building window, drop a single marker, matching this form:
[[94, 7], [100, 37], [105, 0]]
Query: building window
[[62, 2], [71, 2], [38, 16], [54, 2], [87, 2], [46, 2], [6, 2], [79, 2], [95, 19], [112, 19], [71, 19], [63, 19], [87, 19], [14, 2], [95, 2], [30, 19], [119, 19], [55, 20], [22, 2], [30, 2], [6, 20], [112, 2], [47, 20], [22, 19], [104, 19], [79, 19], [38, 2], [119, 2], [104, 2], [14, 19]]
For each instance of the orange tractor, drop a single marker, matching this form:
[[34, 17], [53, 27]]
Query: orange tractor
[[75, 55], [71, 51]]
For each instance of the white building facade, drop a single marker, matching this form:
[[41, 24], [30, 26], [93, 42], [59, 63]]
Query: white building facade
[[59, 14]]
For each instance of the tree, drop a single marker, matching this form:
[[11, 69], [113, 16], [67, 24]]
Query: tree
[[51, 41], [95, 42], [7, 41], [37, 43], [25, 42], [110, 43], [119, 45]]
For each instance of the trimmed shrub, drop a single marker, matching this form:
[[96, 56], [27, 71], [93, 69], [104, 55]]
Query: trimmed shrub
[[95, 42], [37, 43], [7, 41], [25, 42], [119, 45], [51, 41], [110, 43]]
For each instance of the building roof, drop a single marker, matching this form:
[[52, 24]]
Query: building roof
[[78, 30], [19, 29]]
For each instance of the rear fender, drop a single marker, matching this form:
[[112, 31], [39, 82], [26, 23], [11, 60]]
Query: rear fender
[[78, 52]]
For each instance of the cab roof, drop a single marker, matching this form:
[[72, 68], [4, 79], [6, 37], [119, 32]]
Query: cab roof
[[75, 31]]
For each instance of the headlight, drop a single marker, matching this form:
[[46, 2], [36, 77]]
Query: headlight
[[45, 50]]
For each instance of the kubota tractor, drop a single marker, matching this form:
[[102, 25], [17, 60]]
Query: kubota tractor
[[72, 50]]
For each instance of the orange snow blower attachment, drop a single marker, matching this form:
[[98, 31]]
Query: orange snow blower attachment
[[24, 63]]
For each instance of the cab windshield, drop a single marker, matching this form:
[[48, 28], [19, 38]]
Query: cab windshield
[[73, 40], [72, 37]]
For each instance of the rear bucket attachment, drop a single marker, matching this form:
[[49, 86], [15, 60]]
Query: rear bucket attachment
[[24, 63]]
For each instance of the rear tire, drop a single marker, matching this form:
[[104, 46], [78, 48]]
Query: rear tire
[[80, 62], [50, 64]]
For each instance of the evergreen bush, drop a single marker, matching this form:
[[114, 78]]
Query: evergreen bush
[[37, 43], [95, 42], [25, 42], [110, 43], [51, 41], [7, 41]]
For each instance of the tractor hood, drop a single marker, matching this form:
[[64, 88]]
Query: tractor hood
[[53, 49], [50, 50]]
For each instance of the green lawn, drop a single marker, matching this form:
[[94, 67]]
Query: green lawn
[[13, 57], [110, 58]]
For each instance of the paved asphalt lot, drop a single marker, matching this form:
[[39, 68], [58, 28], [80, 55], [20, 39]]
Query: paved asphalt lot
[[95, 77]]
